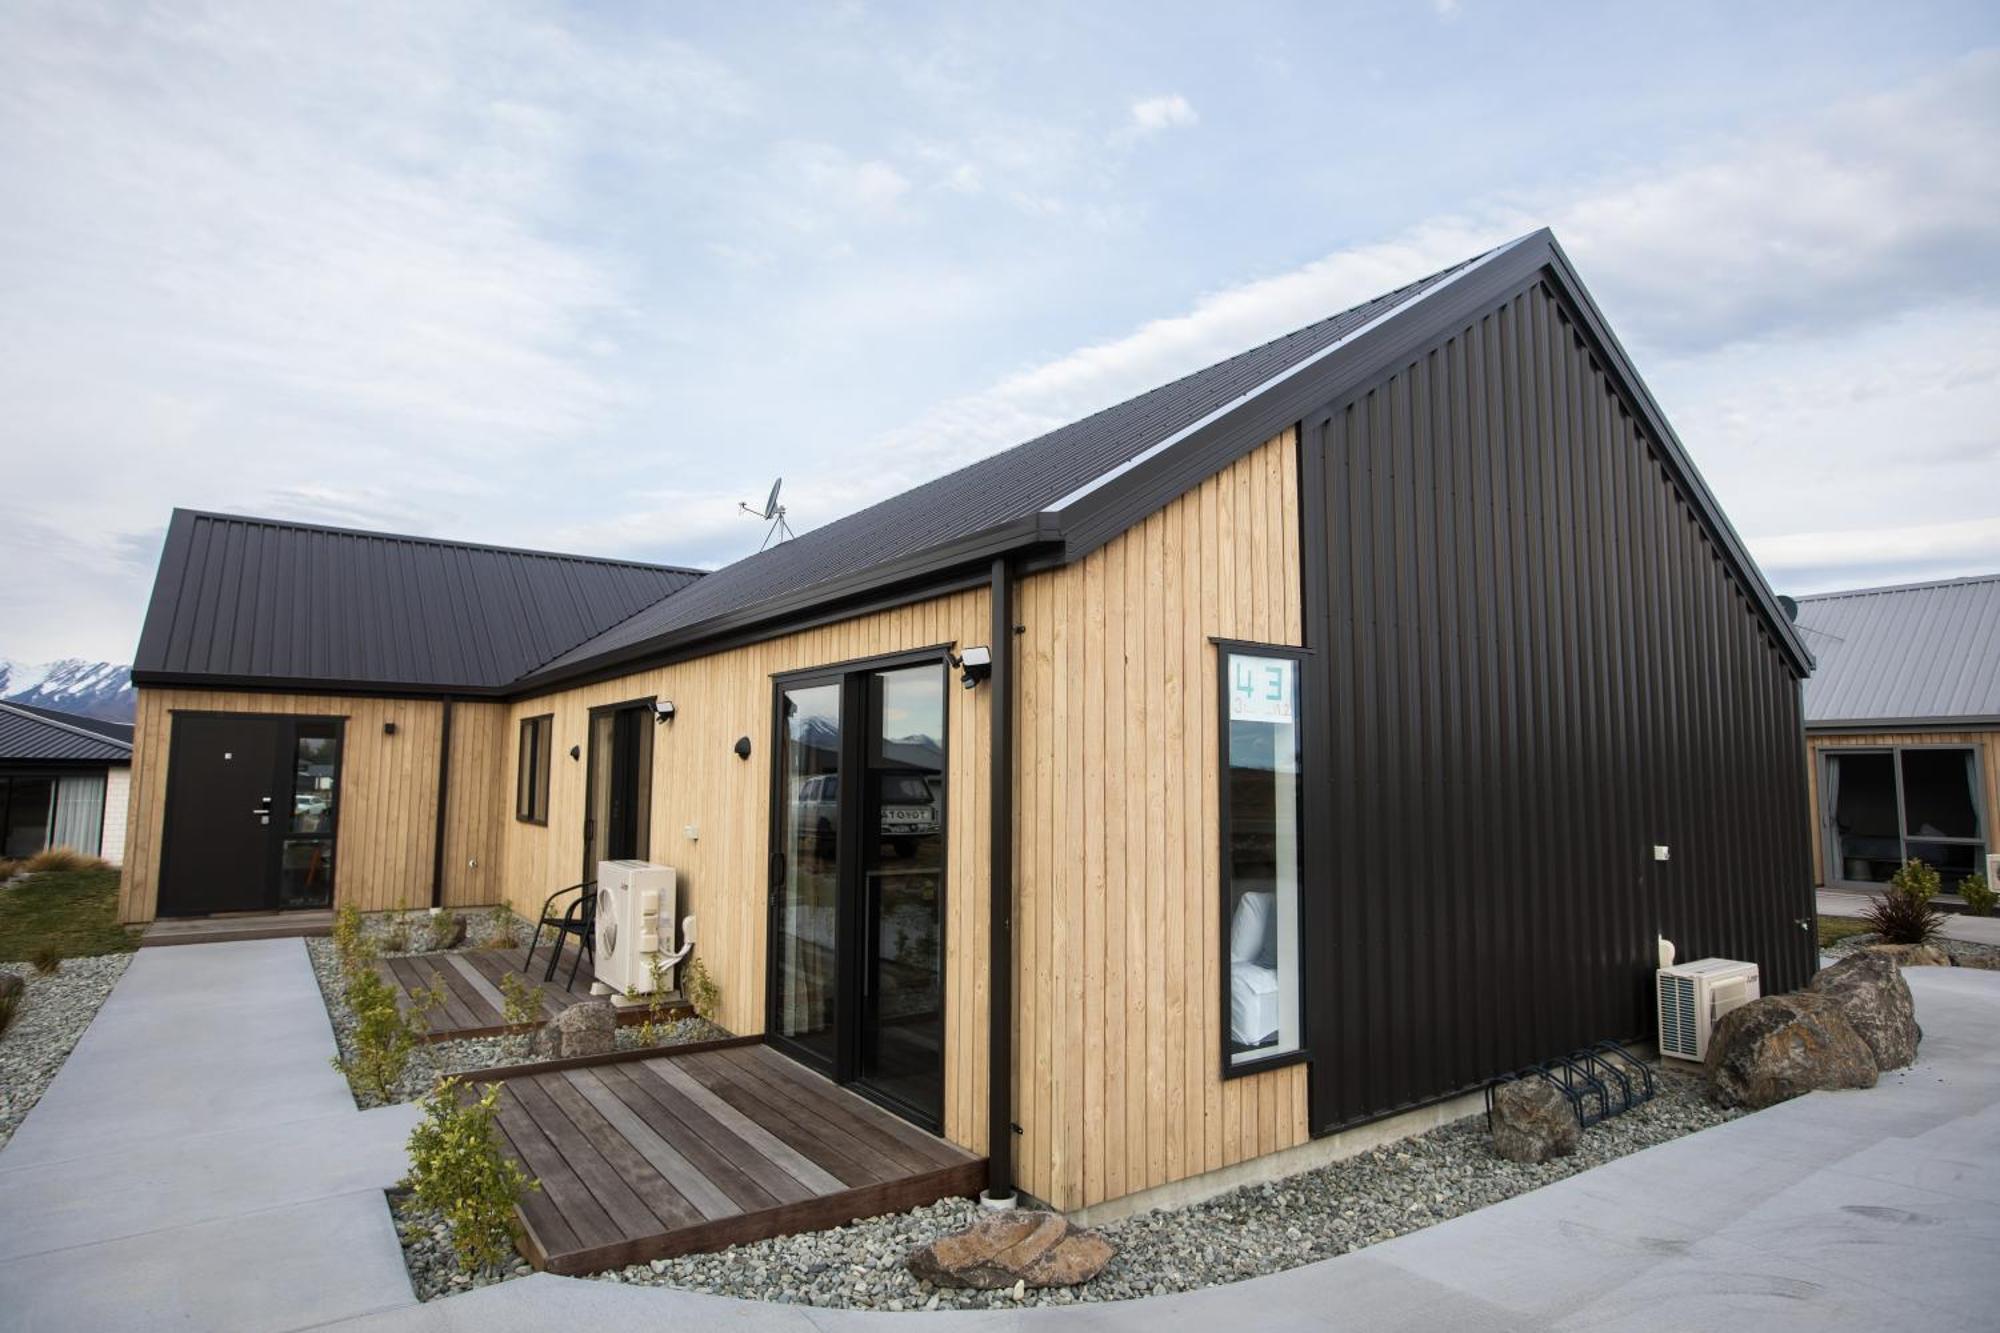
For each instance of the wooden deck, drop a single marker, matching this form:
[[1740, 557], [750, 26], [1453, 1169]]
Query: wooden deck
[[474, 1002], [649, 1155], [235, 926]]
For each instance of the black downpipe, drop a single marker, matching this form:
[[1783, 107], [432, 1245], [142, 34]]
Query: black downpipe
[[1000, 895], [444, 797]]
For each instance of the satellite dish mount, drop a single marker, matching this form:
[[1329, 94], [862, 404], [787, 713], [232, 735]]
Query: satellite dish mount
[[772, 513]]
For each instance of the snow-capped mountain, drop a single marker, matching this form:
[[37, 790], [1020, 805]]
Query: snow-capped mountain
[[94, 689]]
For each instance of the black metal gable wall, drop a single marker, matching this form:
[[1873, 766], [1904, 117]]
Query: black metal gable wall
[[1531, 667]]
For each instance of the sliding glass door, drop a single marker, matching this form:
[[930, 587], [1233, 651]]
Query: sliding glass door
[[1884, 807], [857, 880]]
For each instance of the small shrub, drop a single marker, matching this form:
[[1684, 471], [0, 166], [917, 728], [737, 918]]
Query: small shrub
[[500, 928], [61, 858], [9, 867], [396, 939], [10, 1004], [385, 1034], [1901, 917], [701, 991], [457, 1167], [1915, 879], [348, 933], [1979, 896], [523, 1002], [47, 960]]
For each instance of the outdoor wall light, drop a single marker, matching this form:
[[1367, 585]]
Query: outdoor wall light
[[742, 747], [663, 710], [388, 728], [974, 665], [576, 752]]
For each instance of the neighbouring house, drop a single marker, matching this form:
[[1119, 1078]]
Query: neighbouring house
[[63, 782], [1902, 720], [1360, 710]]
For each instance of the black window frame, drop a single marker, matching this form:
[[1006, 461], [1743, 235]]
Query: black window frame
[[1302, 659], [534, 762]]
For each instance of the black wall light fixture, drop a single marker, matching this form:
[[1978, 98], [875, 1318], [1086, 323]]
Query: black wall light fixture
[[388, 728], [663, 710], [973, 665], [576, 752], [742, 747]]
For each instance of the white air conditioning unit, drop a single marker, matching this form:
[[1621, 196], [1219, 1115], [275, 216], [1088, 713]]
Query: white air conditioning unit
[[633, 898], [1694, 997]]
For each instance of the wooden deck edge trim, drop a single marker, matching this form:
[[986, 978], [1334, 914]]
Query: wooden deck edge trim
[[233, 936], [501, 1073], [816, 1214], [627, 1020]]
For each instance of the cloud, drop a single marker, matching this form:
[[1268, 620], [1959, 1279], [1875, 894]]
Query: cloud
[[1150, 115]]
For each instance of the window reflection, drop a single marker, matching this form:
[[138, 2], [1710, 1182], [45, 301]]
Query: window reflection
[[1261, 789]]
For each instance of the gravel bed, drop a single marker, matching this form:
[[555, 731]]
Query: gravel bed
[[435, 1060], [53, 1014], [1963, 953], [1248, 1232]]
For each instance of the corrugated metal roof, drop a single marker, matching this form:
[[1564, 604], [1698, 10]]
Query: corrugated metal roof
[[250, 598], [1921, 652], [992, 492], [30, 735], [117, 731]]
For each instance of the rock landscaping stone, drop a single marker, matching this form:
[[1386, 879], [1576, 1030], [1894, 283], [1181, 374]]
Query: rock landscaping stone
[[1974, 955], [1784, 1046], [438, 933], [588, 1027], [1911, 955], [1022, 1248], [1533, 1122], [1875, 1000]]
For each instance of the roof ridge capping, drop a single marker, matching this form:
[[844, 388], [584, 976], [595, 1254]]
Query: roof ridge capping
[[300, 525], [1880, 589]]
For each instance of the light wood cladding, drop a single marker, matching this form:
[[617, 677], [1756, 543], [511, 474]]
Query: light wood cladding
[[1987, 743]]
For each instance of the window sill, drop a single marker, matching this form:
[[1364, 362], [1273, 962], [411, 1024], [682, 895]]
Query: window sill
[[1230, 1069]]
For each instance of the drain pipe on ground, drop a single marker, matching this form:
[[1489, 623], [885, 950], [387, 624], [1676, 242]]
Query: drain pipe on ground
[[999, 1192]]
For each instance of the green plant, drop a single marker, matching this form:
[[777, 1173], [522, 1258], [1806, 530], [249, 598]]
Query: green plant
[[347, 933], [47, 959], [500, 928], [396, 939], [386, 1033], [1979, 896], [61, 858], [457, 1167], [523, 1002], [701, 991], [1901, 916], [1915, 879], [1833, 929]]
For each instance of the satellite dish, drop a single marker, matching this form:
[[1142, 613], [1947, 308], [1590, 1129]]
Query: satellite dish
[[773, 513]]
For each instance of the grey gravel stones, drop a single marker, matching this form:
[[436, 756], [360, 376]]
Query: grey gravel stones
[[1532, 1122], [1249, 1232], [54, 1012]]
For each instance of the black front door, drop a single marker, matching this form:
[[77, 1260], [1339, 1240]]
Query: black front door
[[618, 815], [250, 814], [857, 881]]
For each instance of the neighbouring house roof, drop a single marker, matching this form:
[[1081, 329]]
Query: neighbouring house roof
[[42, 735], [295, 603], [1921, 653], [244, 600]]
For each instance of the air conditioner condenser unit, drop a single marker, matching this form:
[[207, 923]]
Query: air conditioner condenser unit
[[634, 898], [1694, 997]]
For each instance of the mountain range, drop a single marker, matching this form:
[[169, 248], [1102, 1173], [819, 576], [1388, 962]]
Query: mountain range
[[72, 685]]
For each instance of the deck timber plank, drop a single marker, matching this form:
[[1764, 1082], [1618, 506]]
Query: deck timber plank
[[477, 980], [890, 1134], [689, 1180], [774, 1149], [736, 1166], [561, 1192], [650, 1186], [627, 1211], [854, 1162]]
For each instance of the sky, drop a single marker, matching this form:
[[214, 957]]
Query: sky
[[584, 277]]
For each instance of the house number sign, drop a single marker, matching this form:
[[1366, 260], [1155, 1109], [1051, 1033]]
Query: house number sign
[[1260, 689]]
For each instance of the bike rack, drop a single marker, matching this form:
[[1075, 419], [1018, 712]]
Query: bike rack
[[1599, 1082]]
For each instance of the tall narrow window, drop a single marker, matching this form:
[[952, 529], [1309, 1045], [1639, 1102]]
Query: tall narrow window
[[531, 777], [1260, 853]]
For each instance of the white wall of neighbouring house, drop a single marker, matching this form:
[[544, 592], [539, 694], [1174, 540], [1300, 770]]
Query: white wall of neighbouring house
[[117, 794]]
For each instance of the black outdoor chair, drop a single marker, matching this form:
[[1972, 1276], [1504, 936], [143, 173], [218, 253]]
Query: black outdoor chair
[[579, 918]]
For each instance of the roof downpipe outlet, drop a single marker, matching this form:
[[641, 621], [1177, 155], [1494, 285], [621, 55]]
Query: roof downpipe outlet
[[443, 804], [999, 1192]]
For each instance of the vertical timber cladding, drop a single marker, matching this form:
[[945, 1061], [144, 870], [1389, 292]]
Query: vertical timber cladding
[[1534, 668], [384, 851], [711, 810], [1118, 1079]]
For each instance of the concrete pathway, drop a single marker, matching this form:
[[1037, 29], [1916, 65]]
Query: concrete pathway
[[198, 1164], [1957, 925], [1848, 1210]]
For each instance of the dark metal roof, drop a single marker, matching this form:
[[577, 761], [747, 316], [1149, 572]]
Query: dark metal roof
[[270, 602], [1918, 654], [1075, 488], [30, 734]]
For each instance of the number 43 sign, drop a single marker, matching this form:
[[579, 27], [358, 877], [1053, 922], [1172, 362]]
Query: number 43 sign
[[1260, 689]]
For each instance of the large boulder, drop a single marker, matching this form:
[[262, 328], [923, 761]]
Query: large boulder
[[1875, 1000], [1005, 1248], [1911, 955], [1532, 1121], [589, 1027], [1784, 1046]]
